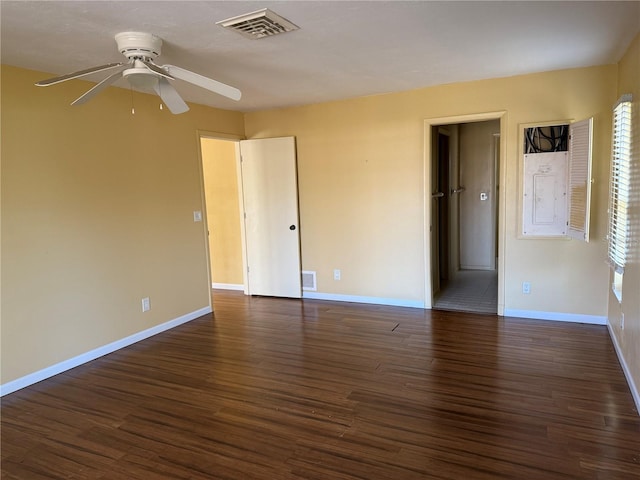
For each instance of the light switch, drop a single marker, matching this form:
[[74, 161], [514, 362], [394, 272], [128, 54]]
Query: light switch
[[197, 216]]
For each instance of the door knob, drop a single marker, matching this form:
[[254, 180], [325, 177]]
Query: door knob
[[292, 227]]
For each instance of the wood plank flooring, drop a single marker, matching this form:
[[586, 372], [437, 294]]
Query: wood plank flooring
[[286, 389]]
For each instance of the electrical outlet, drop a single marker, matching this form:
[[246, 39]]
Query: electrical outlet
[[146, 305], [337, 274], [526, 288]]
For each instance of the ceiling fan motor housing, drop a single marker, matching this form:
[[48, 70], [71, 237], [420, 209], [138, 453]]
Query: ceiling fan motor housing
[[139, 45]]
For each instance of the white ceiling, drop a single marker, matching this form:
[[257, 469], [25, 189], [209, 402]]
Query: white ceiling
[[343, 49]]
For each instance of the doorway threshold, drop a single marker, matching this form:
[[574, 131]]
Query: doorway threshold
[[470, 291]]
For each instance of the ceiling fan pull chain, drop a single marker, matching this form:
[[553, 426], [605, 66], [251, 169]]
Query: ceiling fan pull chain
[[159, 91]]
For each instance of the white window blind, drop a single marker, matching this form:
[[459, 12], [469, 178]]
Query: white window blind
[[619, 191]]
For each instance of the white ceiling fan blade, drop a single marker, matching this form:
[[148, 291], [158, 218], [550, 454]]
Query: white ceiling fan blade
[[156, 69], [78, 74], [170, 96], [98, 87], [204, 82]]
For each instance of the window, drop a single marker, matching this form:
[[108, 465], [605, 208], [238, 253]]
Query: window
[[619, 191]]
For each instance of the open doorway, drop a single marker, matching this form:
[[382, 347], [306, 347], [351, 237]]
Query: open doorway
[[465, 172], [250, 193], [223, 212]]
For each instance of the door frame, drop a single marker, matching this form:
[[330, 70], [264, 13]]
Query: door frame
[[439, 166], [200, 134], [427, 205]]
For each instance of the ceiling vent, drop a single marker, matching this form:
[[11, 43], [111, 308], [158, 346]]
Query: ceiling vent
[[259, 24]]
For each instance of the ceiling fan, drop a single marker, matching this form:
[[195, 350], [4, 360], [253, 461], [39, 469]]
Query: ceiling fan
[[141, 49]]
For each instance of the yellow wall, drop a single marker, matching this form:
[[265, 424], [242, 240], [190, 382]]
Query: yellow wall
[[97, 212], [97, 204], [361, 176], [223, 210], [628, 339]]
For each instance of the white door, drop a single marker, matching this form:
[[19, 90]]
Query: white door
[[270, 194]]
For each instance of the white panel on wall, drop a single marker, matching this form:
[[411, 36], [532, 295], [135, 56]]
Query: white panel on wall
[[545, 194]]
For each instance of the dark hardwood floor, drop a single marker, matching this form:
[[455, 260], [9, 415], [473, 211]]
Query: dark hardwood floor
[[285, 389]]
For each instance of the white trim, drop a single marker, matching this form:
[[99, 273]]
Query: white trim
[[625, 368], [336, 297], [556, 316], [205, 222], [241, 212], [65, 365], [228, 286]]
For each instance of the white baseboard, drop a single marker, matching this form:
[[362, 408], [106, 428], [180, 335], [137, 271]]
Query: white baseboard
[[65, 365], [394, 302], [228, 286], [625, 368], [556, 316]]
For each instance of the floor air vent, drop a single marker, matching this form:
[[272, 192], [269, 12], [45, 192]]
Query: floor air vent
[[309, 281], [259, 24]]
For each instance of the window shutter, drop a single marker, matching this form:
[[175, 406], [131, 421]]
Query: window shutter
[[619, 191], [579, 179]]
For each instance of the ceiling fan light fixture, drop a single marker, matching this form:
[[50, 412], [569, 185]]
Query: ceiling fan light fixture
[[141, 78], [259, 24]]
